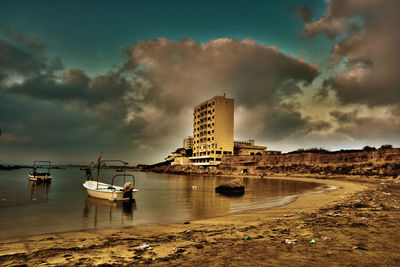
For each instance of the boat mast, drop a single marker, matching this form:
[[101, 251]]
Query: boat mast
[[108, 160]]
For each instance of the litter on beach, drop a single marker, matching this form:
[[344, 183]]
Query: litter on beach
[[290, 241], [143, 246]]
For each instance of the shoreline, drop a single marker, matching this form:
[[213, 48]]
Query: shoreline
[[316, 190], [164, 239]]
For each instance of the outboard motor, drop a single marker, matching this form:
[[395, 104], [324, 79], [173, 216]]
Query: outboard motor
[[128, 188], [88, 174]]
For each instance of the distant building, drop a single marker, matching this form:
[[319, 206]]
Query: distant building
[[188, 142], [212, 130], [180, 156], [243, 143], [248, 148]]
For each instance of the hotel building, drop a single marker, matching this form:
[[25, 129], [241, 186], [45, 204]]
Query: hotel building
[[212, 130]]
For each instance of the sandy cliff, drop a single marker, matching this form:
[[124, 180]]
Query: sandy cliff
[[380, 162]]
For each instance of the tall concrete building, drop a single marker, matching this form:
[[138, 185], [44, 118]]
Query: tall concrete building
[[188, 142], [212, 130]]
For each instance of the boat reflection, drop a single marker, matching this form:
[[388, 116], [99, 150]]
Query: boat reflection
[[39, 190], [101, 209]]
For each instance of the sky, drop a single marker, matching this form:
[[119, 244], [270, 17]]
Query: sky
[[122, 77]]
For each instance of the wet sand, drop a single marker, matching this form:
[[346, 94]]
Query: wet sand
[[356, 224]]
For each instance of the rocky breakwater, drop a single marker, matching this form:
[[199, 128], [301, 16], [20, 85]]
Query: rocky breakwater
[[379, 162], [185, 169]]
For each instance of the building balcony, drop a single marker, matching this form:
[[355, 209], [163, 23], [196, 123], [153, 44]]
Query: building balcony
[[201, 157]]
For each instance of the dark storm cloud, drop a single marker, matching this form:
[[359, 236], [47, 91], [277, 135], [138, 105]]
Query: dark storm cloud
[[182, 74], [188, 71], [42, 107], [369, 49], [321, 125], [149, 101], [21, 55], [323, 90], [359, 127], [344, 117]]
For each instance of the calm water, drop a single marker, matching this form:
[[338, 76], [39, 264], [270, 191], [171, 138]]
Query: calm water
[[28, 208]]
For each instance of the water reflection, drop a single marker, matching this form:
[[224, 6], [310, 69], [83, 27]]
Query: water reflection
[[28, 207], [204, 201], [96, 210], [39, 190]]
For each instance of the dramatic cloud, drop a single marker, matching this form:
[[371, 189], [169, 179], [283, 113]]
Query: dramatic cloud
[[260, 78], [382, 129], [369, 49], [146, 106], [143, 109], [188, 71]]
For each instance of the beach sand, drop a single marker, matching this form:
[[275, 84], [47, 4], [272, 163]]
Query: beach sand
[[356, 224]]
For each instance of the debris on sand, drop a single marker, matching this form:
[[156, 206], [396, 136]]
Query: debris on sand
[[290, 241]]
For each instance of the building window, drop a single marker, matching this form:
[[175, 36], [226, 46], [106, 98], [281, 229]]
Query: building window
[[217, 152], [218, 159]]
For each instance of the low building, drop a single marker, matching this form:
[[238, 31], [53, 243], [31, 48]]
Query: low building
[[180, 156], [243, 143], [181, 160], [249, 150]]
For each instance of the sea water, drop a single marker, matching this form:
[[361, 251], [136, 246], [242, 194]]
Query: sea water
[[28, 208]]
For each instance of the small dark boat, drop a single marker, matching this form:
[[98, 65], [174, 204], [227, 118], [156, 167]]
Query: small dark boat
[[40, 176]]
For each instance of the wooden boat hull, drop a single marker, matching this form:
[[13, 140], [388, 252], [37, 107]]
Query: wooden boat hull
[[40, 177], [104, 191]]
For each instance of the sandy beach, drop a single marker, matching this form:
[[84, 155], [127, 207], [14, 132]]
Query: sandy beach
[[355, 224]]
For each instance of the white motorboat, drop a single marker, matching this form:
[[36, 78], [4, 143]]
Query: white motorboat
[[107, 191], [43, 176], [112, 192]]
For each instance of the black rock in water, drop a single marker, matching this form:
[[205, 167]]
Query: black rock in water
[[233, 187]]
